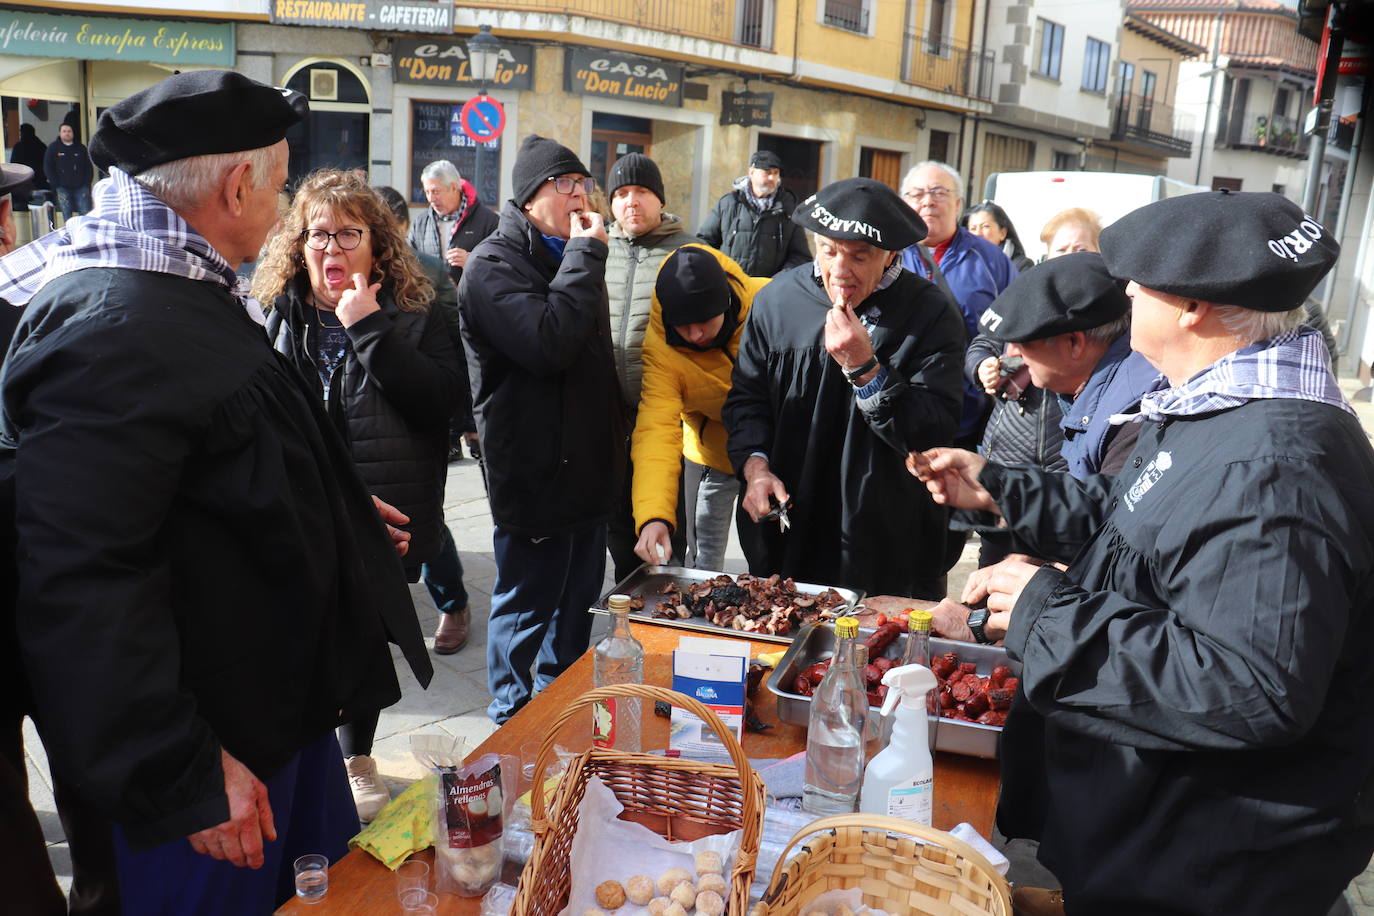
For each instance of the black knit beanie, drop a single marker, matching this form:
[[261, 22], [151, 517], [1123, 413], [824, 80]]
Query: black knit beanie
[[637, 168], [691, 287], [540, 159]]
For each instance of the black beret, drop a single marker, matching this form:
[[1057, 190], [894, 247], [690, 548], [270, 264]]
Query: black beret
[[639, 169], [862, 209], [691, 287], [13, 175], [1255, 249], [765, 159], [196, 113], [1073, 292]]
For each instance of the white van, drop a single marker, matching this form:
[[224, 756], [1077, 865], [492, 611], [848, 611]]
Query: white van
[[1031, 198]]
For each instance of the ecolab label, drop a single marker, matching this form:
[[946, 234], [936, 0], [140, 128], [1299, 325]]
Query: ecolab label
[[912, 800]]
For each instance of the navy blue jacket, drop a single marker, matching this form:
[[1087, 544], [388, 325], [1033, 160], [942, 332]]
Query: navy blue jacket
[[1091, 444]]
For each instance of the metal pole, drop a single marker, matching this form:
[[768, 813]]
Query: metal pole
[[1316, 145], [1211, 94]]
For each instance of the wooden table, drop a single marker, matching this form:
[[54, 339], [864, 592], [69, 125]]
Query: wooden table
[[965, 787]]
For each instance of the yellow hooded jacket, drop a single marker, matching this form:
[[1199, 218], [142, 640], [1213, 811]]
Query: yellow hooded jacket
[[679, 405]]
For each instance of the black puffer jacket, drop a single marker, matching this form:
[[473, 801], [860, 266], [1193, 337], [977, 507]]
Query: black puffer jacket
[[391, 398], [763, 243], [1025, 432], [544, 389]]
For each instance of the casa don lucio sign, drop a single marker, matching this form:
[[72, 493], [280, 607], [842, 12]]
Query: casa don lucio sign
[[444, 62], [623, 76]]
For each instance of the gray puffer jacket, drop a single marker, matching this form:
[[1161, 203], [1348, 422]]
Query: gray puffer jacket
[[1025, 432], [631, 269]]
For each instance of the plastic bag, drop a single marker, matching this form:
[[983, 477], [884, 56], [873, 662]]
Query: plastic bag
[[472, 802]]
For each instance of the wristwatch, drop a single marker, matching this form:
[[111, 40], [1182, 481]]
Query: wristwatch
[[977, 620]]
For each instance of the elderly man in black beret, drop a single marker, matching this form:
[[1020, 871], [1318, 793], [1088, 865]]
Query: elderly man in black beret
[[1193, 732], [846, 364], [205, 588]]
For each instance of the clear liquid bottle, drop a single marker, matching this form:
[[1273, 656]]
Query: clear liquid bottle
[[835, 733], [917, 653], [619, 659]]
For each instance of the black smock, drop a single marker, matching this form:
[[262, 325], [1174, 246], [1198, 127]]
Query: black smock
[[859, 519], [200, 565], [1195, 731]]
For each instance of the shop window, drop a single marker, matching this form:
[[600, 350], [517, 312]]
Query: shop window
[[1049, 41], [1096, 59], [336, 134], [801, 162], [1064, 162], [614, 136], [436, 133]]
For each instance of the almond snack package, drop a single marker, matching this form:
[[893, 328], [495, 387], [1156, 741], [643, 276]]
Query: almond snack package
[[472, 803]]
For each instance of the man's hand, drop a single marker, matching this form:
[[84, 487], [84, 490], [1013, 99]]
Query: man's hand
[[655, 543], [951, 476], [988, 376], [846, 339], [456, 257], [759, 484], [951, 620], [474, 445], [393, 517], [357, 303], [976, 588], [239, 840], [587, 224], [1005, 583]]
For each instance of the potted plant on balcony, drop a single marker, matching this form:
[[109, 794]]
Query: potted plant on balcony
[[1261, 130]]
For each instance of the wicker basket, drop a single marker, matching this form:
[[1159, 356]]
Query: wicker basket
[[934, 875], [679, 799]]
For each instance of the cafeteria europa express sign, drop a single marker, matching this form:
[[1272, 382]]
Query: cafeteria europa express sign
[[444, 62], [415, 16], [622, 76], [108, 38]]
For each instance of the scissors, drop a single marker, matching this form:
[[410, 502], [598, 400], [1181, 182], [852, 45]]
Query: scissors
[[778, 513]]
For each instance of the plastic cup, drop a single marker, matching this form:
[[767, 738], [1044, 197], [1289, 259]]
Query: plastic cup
[[412, 876], [420, 903], [529, 754], [312, 877]]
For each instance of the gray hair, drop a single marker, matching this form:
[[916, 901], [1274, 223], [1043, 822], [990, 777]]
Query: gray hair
[[947, 169], [1106, 333], [1249, 325], [183, 184], [443, 170]]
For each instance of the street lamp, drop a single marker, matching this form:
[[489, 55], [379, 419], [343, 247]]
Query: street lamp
[[484, 54]]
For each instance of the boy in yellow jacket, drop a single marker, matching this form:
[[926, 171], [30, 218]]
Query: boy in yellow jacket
[[701, 299]]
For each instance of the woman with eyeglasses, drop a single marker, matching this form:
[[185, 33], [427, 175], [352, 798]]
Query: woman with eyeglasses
[[350, 306]]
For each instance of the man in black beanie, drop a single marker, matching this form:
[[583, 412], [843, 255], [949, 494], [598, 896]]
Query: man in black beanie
[[1192, 732], [642, 235], [534, 317], [752, 223], [205, 589]]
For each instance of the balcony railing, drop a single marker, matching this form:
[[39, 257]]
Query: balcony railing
[[741, 22], [949, 66], [1146, 120], [1262, 132], [847, 14]]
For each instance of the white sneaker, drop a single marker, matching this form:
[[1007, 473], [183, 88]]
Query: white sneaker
[[369, 791]]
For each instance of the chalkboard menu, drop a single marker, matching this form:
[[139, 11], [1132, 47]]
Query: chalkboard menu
[[435, 134]]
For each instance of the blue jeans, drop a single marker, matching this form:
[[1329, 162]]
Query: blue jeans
[[73, 201], [313, 810], [713, 513], [444, 576], [540, 611]]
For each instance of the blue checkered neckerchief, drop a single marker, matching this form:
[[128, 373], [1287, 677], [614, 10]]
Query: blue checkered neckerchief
[[1293, 365], [128, 228]]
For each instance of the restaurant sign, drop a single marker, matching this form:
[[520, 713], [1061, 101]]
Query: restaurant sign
[[623, 76], [444, 62], [751, 109], [108, 38], [412, 16]]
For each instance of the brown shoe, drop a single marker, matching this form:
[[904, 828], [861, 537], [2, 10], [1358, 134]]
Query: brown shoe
[[1037, 901], [452, 634]]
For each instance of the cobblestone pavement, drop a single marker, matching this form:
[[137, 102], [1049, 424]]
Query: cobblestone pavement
[[456, 700]]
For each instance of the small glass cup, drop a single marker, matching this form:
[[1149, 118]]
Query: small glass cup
[[420, 903], [412, 876], [529, 754], [312, 877]]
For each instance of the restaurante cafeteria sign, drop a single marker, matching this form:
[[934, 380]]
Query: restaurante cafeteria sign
[[108, 38], [623, 76], [415, 16]]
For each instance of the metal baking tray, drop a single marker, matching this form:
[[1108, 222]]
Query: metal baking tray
[[648, 580], [817, 642]]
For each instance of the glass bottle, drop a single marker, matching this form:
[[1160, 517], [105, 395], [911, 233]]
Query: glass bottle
[[835, 733], [619, 659], [917, 652]]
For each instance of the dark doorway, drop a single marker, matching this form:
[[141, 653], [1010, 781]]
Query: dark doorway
[[801, 162], [614, 136]]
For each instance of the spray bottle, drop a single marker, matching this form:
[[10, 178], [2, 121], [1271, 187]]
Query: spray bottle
[[900, 781]]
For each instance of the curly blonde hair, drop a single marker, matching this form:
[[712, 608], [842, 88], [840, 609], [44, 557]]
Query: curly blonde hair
[[344, 193]]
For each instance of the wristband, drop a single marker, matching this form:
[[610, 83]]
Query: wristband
[[855, 374]]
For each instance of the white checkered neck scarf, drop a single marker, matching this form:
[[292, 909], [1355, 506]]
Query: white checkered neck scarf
[[127, 228], [1293, 364]]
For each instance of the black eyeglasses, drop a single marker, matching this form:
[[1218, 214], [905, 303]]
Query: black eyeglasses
[[568, 185], [347, 239]]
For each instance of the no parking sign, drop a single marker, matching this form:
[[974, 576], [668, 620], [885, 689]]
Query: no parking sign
[[482, 118]]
